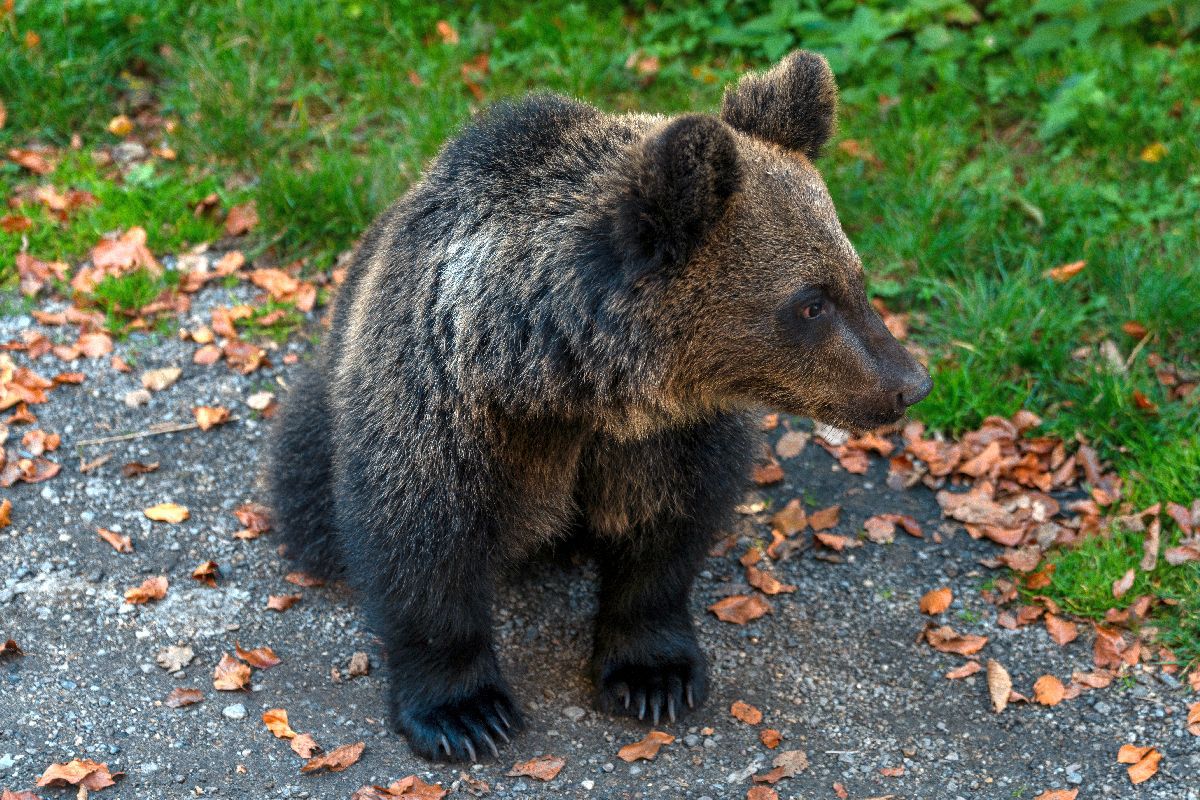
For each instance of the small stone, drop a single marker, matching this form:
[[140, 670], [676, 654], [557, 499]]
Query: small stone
[[235, 711], [588, 784], [360, 664], [574, 713]]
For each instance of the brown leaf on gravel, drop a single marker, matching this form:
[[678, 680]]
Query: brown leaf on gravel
[[965, 671], [135, 468], [999, 685], [767, 583], [282, 602], [79, 772], [207, 573], [645, 749], [5, 513], [156, 380], [825, 519], [94, 345], [410, 788], [276, 720], [9, 647], [935, 601], [771, 738], [259, 658], [304, 745], [119, 542], [790, 519], [255, 520], [740, 608], [230, 674], [154, 588], [304, 579], [880, 530], [1143, 761], [167, 512], [761, 793], [791, 444], [543, 768], [835, 541], [335, 760], [208, 417], [1061, 631], [241, 219], [892, 772], [746, 713], [180, 697], [8, 794], [1058, 794], [944, 638], [768, 473], [1049, 690], [1111, 649], [787, 764], [1193, 719]]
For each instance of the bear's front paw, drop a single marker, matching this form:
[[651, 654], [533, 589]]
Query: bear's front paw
[[652, 687], [461, 729]]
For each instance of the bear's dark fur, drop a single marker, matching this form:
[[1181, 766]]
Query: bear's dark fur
[[561, 331]]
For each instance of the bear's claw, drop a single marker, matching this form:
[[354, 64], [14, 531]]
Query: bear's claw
[[459, 730], [653, 691]]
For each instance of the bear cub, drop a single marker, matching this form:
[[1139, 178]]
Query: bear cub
[[563, 331]]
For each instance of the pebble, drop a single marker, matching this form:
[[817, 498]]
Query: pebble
[[574, 713], [235, 711]]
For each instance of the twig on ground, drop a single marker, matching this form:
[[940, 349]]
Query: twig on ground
[[154, 430]]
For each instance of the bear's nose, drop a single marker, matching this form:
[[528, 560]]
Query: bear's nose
[[916, 390]]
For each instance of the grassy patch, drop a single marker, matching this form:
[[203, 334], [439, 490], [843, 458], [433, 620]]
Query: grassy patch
[[989, 145]]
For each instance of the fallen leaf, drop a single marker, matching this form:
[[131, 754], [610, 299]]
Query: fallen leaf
[[282, 602], [119, 542], [135, 468], [304, 745], [447, 32], [1123, 584], [1049, 690], [5, 513], [230, 674], [335, 760], [790, 519], [761, 793], [791, 444], [1193, 719], [156, 380], [208, 417], [999, 685], [965, 671], [154, 588], [825, 519], [835, 541], [1153, 152], [935, 601], [1058, 794], [207, 573], [740, 608], [787, 764], [746, 713], [543, 768], [1066, 271], [947, 640], [167, 512], [1143, 761], [120, 126], [241, 219], [771, 738], [175, 657], [10, 648], [767, 583], [840, 791], [892, 772], [255, 520], [411, 788], [768, 473], [259, 657], [181, 697], [645, 749], [1061, 631], [79, 772], [276, 720], [360, 665], [304, 579]]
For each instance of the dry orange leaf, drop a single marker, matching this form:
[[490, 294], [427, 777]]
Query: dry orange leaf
[[790, 519], [1193, 719], [835, 541], [9, 647], [1143, 762], [167, 512], [936, 601], [543, 768], [304, 745], [999, 685], [446, 32], [5, 513], [825, 519], [208, 417], [304, 579], [1061, 631], [207, 573], [156, 380], [79, 772], [259, 657], [787, 764], [1066, 271], [230, 674], [412, 788], [335, 760], [765, 582], [965, 671], [766, 474], [770, 738], [1058, 794], [276, 720], [241, 219], [740, 608], [180, 697], [1049, 690], [282, 602], [746, 713], [154, 588], [946, 640], [119, 542], [645, 749], [761, 793]]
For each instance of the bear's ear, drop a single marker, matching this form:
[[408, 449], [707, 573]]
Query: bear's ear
[[680, 184], [793, 104]]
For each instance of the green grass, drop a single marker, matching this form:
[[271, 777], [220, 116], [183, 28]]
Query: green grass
[[1004, 142]]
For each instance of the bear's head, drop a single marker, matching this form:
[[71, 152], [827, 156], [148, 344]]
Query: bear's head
[[762, 291]]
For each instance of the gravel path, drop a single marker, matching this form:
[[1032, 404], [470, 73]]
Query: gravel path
[[836, 667]]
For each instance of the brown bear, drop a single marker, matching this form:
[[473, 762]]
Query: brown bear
[[561, 332]]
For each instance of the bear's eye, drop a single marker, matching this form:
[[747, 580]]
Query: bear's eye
[[812, 309]]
